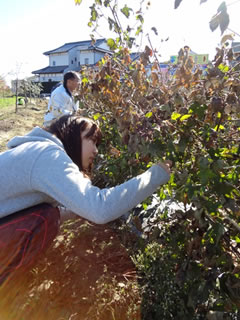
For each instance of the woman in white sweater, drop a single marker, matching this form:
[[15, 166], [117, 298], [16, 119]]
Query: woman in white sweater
[[48, 168]]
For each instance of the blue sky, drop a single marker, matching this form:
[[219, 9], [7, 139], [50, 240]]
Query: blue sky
[[31, 27]]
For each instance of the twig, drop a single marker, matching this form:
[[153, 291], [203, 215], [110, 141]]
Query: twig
[[234, 31]]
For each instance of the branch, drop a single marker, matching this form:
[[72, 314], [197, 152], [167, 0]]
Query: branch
[[234, 31]]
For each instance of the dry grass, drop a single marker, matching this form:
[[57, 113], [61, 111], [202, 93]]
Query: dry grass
[[12, 124]]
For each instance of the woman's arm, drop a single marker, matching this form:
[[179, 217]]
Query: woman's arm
[[57, 176]]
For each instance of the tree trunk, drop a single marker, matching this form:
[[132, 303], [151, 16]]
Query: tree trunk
[[16, 106]]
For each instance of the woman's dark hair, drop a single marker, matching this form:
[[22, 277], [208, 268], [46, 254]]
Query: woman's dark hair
[[69, 75], [68, 130]]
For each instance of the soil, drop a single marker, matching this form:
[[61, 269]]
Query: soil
[[87, 273]]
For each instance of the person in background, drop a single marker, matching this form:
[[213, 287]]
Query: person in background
[[51, 167], [61, 101]]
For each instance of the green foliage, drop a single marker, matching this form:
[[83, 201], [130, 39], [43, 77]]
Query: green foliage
[[191, 119], [188, 259]]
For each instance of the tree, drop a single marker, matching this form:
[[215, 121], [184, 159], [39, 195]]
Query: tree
[[192, 119], [4, 88], [30, 89], [16, 83]]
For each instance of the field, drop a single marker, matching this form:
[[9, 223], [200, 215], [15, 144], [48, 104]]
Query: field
[[12, 124], [7, 102]]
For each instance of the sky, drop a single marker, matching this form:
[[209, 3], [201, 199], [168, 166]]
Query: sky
[[30, 27]]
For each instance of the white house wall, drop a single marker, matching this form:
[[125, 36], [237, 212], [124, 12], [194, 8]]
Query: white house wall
[[73, 60], [86, 55], [51, 77], [58, 59], [98, 56]]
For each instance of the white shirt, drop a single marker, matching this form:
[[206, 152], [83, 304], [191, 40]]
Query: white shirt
[[60, 103]]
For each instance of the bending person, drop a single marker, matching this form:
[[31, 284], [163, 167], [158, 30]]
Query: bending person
[[51, 167], [61, 101]]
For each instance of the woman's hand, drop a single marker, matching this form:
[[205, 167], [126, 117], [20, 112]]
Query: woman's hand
[[166, 165]]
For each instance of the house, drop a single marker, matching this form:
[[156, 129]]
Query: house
[[70, 56]]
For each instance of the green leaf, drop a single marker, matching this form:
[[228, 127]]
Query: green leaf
[[182, 144], [85, 80], [111, 43], [219, 231], [139, 29], [221, 127], [149, 114], [126, 11], [185, 117], [145, 206], [96, 116], [106, 3], [140, 17], [94, 13], [175, 116], [205, 175], [223, 188], [198, 109]]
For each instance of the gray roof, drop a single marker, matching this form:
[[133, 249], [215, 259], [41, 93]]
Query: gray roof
[[68, 46], [56, 69]]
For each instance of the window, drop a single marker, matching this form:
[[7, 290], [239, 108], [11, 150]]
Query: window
[[72, 61], [86, 60], [75, 59], [54, 63]]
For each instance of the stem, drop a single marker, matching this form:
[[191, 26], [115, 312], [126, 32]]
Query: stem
[[115, 17], [234, 31], [155, 56], [220, 119]]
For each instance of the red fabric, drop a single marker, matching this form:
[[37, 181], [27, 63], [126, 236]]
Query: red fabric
[[24, 235]]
